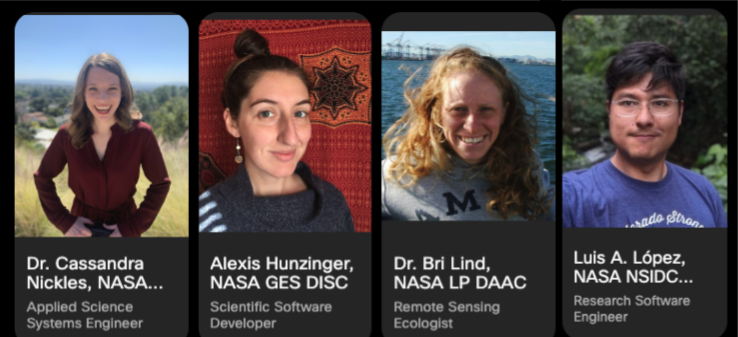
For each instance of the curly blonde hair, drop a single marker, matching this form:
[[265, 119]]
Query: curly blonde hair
[[419, 146]]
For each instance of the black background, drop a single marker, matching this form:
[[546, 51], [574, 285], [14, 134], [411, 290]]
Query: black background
[[511, 248], [703, 254], [376, 12], [350, 306], [160, 309]]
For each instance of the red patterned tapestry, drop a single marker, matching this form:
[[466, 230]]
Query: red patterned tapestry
[[336, 57]]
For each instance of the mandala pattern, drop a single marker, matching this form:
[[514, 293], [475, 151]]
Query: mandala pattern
[[341, 82], [340, 147], [209, 172]]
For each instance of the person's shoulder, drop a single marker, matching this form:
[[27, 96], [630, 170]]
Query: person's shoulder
[[64, 130], [222, 191], [578, 177], [141, 127], [330, 192], [578, 184], [694, 178]]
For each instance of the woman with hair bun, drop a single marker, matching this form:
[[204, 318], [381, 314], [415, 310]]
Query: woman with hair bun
[[463, 150], [105, 150], [266, 100]]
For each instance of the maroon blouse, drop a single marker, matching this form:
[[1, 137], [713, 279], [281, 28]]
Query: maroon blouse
[[104, 189]]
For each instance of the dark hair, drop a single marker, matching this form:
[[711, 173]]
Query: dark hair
[[254, 59], [80, 124], [640, 58]]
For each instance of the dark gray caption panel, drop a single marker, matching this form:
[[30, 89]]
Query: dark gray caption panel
[[101, 286], [672, 282], [285, 284], [468, 278]]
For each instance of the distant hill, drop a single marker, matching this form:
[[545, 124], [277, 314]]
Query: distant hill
[[145, 86]]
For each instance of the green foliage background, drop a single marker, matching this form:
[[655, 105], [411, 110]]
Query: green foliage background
[[700, 42]]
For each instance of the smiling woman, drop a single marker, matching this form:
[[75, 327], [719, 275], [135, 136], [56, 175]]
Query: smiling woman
[[105, 150], [465, 141], [266, 103]]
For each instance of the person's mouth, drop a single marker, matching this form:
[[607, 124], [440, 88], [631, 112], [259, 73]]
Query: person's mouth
[[471, 140], [103, 109], [284, 156], [644, 135]]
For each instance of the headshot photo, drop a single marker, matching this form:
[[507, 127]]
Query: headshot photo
[[101, 133], [469, 129], [644, 121], [285, 126]]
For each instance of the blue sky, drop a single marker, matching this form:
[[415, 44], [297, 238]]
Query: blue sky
[[538, 44], [152, 48]]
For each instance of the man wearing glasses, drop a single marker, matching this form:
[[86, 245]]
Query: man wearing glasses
[[637, 187]]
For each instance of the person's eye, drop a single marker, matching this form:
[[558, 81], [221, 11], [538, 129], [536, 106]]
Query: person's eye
[[301, 114], [266, 114], [92, 89], [629, 103], [111, 89], [661, 104]]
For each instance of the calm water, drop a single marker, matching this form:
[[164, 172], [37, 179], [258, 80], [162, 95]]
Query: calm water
[[538, 81]]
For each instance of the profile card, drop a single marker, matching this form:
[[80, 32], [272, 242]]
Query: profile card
[[285, 175], [643, 156], [468, 174], [101, 176]]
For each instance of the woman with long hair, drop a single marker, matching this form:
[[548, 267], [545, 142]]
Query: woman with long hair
[[266, 108], [105, 150], [463, 150]]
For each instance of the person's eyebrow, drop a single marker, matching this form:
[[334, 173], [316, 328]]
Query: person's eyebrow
[[627, 95], [262, 100], [305, 101], [655, 96]]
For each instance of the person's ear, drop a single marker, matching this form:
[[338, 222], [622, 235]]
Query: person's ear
[[230, 123], [681, 111]]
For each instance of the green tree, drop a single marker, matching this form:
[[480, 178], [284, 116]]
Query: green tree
[[50, 123], [38, 104], [171, 119], [24, 131]]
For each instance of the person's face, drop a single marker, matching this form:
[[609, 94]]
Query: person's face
[[472, 114], [644, 137], [102, 93], [273, 124]]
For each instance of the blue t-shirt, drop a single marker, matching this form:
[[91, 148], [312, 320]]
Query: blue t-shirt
[[602, 196]]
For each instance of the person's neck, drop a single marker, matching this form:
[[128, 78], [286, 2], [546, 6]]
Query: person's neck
[[102, 128], [650, 171], [265, 185]]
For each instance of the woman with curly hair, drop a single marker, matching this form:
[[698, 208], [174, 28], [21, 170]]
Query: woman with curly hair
[[463, 150]]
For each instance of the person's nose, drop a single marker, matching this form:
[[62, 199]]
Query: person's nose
[[103, 95], [288, 131], [644, 118], [472, 123]]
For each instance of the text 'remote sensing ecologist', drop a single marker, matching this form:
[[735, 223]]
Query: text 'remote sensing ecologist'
[[267, 104], [637, 187], [105, 149], [463, 150]]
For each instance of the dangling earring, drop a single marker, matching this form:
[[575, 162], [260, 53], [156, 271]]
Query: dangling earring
[[239, 159]]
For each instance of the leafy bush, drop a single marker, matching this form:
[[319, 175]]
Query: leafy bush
[[714, 166]]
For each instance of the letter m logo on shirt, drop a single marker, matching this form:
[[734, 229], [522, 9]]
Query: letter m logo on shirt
[[468, 198]]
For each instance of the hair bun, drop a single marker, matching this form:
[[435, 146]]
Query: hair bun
[[250, 42]]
